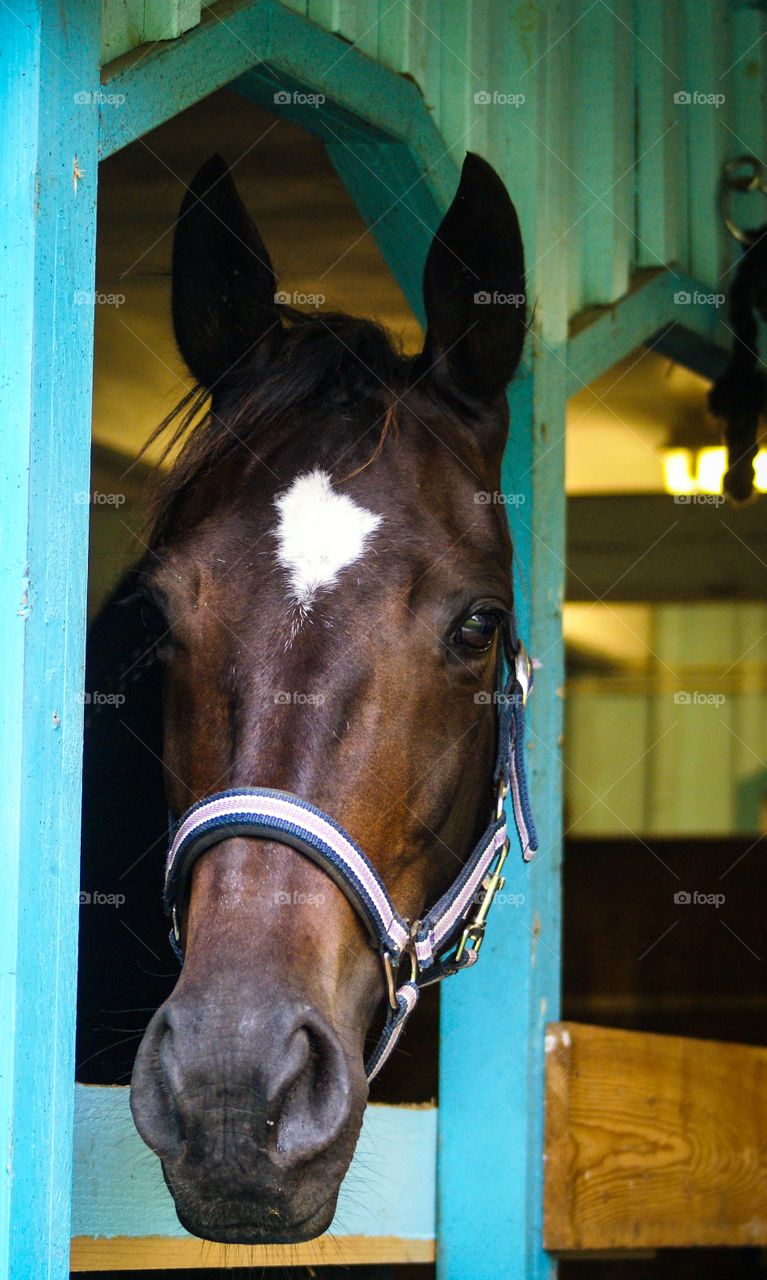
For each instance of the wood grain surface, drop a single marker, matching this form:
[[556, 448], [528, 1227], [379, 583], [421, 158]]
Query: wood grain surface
[[653, 1141]]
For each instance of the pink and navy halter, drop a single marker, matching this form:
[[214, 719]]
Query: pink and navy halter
[[448, 938]]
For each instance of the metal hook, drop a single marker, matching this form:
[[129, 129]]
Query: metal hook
[[734, 179]]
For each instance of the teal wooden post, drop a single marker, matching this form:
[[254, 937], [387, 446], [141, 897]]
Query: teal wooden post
[[490, 1153], [489, 1220], [48, 75]]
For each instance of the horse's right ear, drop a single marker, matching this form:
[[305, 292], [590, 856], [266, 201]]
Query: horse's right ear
[[223, 280]]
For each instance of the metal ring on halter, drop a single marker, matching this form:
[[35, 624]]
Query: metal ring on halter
[[745, 184]]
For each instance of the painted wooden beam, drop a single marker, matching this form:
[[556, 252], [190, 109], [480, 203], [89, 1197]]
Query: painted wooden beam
[[49, 75], [122, 1209], [293, 56], [173, 75], [158, 1253], [400, 186], [492, 1020], [677, 315], [653, 1141]]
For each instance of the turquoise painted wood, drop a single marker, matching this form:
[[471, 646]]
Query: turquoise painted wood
[[601, 172], [640, 166], [491, 1058], [119, 1191], [398, 144], [660, 194], [660, 308], [49, 134]]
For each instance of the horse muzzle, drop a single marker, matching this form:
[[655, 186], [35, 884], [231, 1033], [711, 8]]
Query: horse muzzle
[[254, 1113]]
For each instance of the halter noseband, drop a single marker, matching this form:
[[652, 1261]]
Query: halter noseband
[[448, 938]]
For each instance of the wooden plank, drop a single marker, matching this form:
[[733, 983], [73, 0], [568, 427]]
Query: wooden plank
[[357, 22], [122, 27], [393, 29], [126, 24], [705, 113], [459, 80], [164, 21], [602, 48], [661, 189], [48, 76], [326, 13], [119, 1193], [653, 1141], [156, 1253]]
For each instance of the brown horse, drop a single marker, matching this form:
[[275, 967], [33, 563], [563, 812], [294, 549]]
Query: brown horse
[[333, 585]]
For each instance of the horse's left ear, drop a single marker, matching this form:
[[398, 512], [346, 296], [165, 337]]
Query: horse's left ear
[[474, 289]]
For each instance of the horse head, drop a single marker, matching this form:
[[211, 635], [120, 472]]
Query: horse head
[[333, 584]]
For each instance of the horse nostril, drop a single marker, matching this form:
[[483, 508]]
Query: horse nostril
[[152, 1096], [311, 1101], [276, 1087]]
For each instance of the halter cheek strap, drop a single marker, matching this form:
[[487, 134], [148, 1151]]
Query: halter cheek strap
[[448, 938]]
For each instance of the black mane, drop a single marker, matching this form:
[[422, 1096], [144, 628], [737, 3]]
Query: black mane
[[319, 364]]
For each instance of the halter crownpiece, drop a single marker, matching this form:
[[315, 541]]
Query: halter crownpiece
[[448, 938]]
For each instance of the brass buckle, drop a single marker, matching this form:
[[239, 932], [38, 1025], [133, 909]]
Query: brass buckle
[[523, 668], [475, 931], [391, 988], [391, 974]]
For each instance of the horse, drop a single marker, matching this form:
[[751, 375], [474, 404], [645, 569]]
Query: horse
[[323, 609]]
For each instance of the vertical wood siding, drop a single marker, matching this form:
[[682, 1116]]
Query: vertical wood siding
[[641, 167], [641, 164]]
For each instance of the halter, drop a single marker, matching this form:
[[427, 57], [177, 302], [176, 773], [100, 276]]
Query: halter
[[448, 938]]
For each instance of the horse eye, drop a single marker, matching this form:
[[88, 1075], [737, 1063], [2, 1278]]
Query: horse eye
[[478, 631]]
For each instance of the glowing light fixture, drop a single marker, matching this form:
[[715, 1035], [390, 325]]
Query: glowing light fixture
[[702, 470]]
